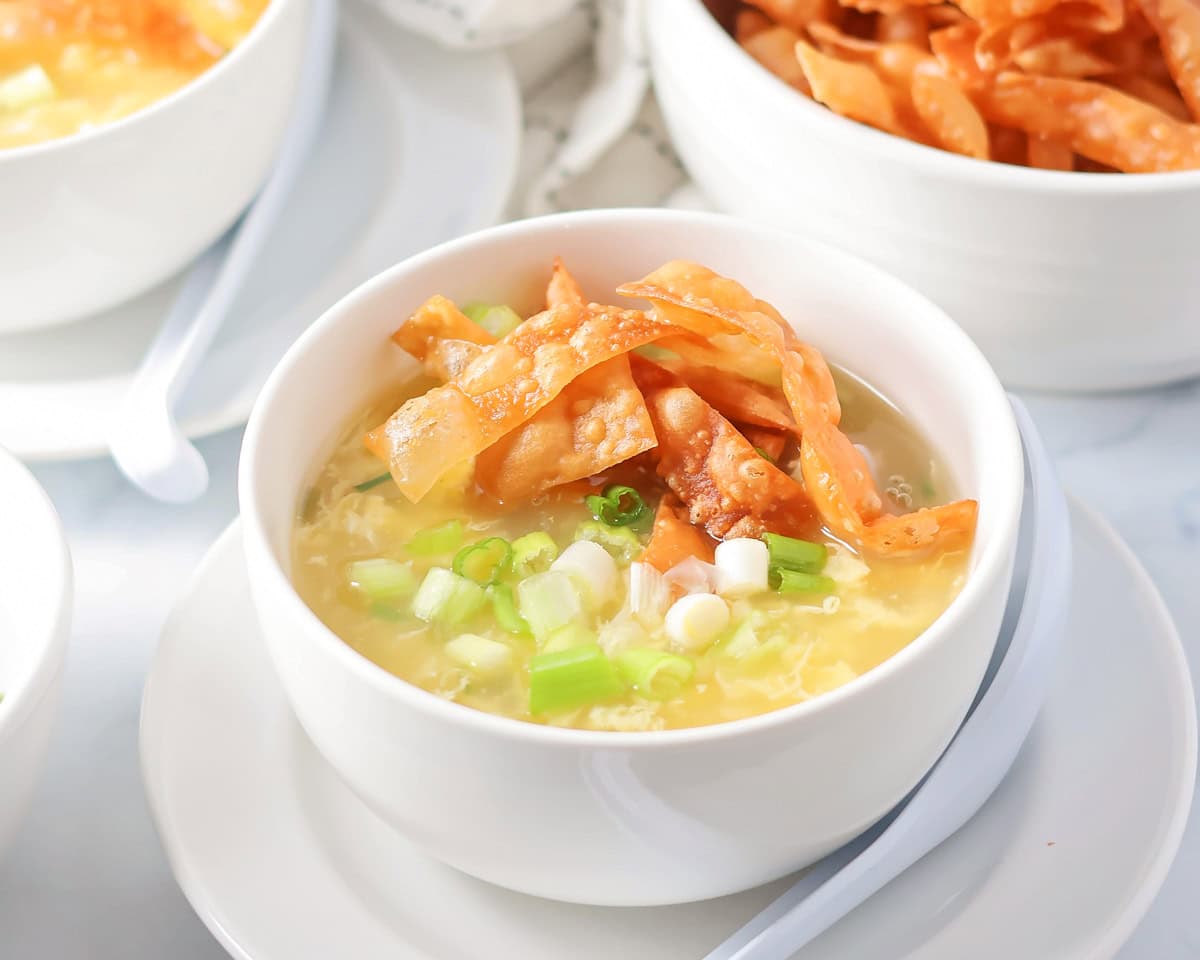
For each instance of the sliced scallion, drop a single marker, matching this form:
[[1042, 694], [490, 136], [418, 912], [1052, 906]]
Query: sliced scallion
[[763, 453], [382, 579], [445, 597], [481, 655], [504, 608], [484, 561], [788, 553], [533, 553], [618, 506], [571, 678], [567, 636], [499, 321], [655, 674], [794, 581], [621, 542], [547, 601], [372, 483], [435, 541]]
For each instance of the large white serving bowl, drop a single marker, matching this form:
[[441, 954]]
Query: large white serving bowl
[[639, 818], [35, 617], [90, 220], [1067, 281]]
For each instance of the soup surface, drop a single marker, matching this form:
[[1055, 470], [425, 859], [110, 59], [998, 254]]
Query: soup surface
[[70, 65], [595, 602]]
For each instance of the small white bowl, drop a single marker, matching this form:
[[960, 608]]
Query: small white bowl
[[1067, 281], [35, 619], [639, 818], [95, 218]]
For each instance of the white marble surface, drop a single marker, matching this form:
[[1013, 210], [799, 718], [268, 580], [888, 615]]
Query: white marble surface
[[87, 878]]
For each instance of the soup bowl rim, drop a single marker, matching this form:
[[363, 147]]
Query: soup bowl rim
[[990, 568], [766, 94], [194, 87]]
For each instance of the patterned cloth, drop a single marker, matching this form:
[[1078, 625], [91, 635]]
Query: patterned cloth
[[593, 134]]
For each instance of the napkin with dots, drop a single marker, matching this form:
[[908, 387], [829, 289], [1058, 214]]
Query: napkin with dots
[[593, 135]]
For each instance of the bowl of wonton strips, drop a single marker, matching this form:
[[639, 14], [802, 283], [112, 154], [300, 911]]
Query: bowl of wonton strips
[[1033, 166], [631, 557]]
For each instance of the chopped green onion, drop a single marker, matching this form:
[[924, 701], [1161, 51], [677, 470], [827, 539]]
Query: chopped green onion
[[533, 553], [382, 579], [763, 453], [445, 597], [655, 674], [372, 483], [499, 321], [484, 561], [382, 611], [793, 581], [504, 608], [547, 601], [479, 654], [788, 553], [571, 678], [741, 642], [567, 636], [621, 542], [434, 541], [618, 506]]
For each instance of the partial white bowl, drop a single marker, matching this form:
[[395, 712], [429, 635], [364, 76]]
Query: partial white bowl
[[640, 818], [1067, 281], [35, 618], [93, 219]]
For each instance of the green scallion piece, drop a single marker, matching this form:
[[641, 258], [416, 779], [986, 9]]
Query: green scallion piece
[[484, 561], [788, 553], [382, 611], [435, 541], [372, 483], [504, 608], [571, 678], [763, 453], [533, 553], [655, 674], [794, 581], [618, 506], [621, 542], [382, 579], [499, 321], [445, 597]]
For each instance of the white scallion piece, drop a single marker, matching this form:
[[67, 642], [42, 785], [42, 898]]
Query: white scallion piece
[[741, 567], [547, 601], [26, 88], [480, 655], [695, 621], [649, 592], [589, 564], [693, 575]]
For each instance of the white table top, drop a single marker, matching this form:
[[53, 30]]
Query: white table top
[[87, 877]]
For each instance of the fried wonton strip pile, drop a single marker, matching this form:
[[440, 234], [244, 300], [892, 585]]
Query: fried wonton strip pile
[[442, 338], [836, 477], [729, 488], [502, 388], [598, 420], [673, 538], [736, 397], [991, 79]]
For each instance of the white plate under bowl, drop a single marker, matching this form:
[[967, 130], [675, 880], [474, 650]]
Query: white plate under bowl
[[282, 862], [420, 145]]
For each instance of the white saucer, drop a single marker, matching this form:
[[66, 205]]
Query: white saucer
[[283, 863], [420, 145]]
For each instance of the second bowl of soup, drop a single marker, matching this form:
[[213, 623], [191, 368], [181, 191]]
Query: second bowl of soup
[[631, 557]]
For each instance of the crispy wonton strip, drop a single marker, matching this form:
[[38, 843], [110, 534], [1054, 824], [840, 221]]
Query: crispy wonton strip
[[434, 320], [1166, 98], [796, 14], [1102, 16], [564, 289], [1048, 154], [836, 476], [910, 25], [728, 488], [503, 388], [853, 90], [1177, 23], [1097, 121], [673, 538], [775, 49], [599, 420], [736, 397], [950, 116]]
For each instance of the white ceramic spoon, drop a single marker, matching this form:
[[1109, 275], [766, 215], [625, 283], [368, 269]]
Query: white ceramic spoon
[[978, 758], [145, 441]]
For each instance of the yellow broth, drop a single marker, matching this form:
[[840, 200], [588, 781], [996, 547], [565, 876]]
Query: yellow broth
[[70, 65], [805, 645]]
